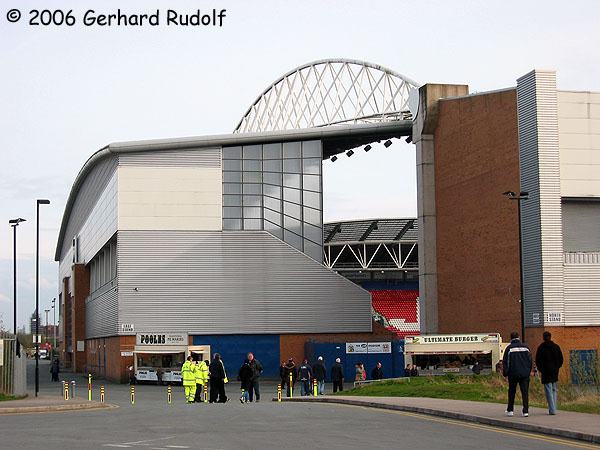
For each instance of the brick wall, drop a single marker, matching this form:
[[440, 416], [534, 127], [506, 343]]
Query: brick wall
[[104, 358], [81, 289], [476, 160]]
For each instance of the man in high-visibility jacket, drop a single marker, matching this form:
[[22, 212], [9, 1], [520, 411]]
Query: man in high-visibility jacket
[[188, 376], [201, 379]]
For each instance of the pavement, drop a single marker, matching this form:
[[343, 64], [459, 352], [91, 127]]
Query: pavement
[[566, 424], [49, 403]]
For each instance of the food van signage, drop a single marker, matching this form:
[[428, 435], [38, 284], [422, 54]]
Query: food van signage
[[161, 339], [452, 339]]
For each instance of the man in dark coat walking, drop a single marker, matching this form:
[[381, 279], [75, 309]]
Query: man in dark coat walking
[[257, 368], [549, 360], [320, 373], [377, 372], [337, 376], [217, 380], [517, 367]]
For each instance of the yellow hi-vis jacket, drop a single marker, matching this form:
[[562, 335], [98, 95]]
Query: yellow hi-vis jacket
[[201, 373], [188, 373]]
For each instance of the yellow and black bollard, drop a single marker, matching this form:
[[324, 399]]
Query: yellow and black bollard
[[290, 386], [315, 389], [102, 394], [243, 397], [89, 387], [66, 390], [169, 394], [279, 392], [205, 392], [132, 394]]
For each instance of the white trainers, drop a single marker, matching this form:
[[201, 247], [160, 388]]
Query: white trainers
[[525, 414], [510, 413]]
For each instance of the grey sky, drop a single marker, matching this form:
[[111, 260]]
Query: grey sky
[[65, 92]]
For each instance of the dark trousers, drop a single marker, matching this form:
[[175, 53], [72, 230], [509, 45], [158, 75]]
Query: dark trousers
[[217, 390], [338, 385], [290, 388], [512, 390], [198, 397], [54, 376], [254, 388]]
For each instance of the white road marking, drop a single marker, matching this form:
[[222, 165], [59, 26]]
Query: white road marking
[[145, 442], [117, 445], [177, 446]]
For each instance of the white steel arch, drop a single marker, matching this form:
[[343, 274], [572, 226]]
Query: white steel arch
[[328, 92]]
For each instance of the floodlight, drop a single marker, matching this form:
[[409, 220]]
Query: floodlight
[[387, 143], [333, 158], [368, 147], [349, 153]]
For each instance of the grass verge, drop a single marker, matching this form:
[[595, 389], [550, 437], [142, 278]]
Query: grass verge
[[482, 388]]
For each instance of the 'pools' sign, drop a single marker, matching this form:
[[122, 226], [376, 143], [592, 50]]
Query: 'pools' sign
[[161, 339]]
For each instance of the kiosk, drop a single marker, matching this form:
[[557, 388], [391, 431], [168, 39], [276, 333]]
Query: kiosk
[[158, 357]]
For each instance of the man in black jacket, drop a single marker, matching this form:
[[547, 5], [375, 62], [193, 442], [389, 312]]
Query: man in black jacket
[[549, 359], [337, 376], [257, 368], [377, 372], [319, 372], [517, 367]]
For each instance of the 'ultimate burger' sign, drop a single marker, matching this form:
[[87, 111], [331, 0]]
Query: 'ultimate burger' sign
[[452, 339]]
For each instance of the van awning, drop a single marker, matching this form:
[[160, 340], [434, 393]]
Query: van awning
[[163, 349]]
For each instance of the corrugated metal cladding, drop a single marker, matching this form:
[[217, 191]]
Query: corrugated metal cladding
[[87, 197], [202, 157], [541, 214], [233, 282], [101, 311], [582, 294]]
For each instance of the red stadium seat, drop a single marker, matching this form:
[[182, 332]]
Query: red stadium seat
[[400, 309]]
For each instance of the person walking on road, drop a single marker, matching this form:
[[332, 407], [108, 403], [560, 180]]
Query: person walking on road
[[201, 380], [377, 372], [337, 376], [289, 373], [517, 366], [55, 369], [188, 376], [218, 378], [305, 375], [257, 368], [549, 360], [245, 378], [320, 373]]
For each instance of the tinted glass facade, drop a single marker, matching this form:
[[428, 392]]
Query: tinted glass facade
[[276, 188]]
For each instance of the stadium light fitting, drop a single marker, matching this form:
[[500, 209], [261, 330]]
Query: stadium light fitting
[[408, 139], [387, 143], [349, 153], [368, 147], [333, 158]]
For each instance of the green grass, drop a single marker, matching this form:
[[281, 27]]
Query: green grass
[[481, 388], [7, 397]]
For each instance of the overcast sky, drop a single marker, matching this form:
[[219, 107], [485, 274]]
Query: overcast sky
[[67, 91]]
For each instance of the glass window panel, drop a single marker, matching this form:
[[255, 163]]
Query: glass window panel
[[252, 188], [311, 149], [232, 164], [253, 165], [311, 182], [291, 150], [293, 239], [273, 191], [272, 151], [291, 195], [252, 177], [312, 216], [312, 199], [292, 209], [273, 216], [232, 177], [252, 200], [232, 188], [291, 180], [291, 165], [252, 152], [313, 250], [232, 224], [253, 224], [273, 229], [232, 200], [272, 165], [313, 233], [272, 203], [232, 212], [312, 166], [272, 178], [292, 224], [232, 152], [252, 213]]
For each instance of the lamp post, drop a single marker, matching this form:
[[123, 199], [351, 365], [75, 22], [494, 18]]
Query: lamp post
[[37, 293], [523, 195], [46, 328], [54, 324], [14, 223]]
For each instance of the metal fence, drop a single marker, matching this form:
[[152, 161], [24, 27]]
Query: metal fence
[[13, 369]]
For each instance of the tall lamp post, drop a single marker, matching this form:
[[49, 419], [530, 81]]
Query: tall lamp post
[[54, 324], [14, 223], [523, 195], [46, 328], [37, 293]]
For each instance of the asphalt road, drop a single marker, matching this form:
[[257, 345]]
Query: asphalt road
[[153, 424]]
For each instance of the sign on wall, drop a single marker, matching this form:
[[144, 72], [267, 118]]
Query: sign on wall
[[554, 317], [368, 347], [452, 339], [127, 328], [161, 339]]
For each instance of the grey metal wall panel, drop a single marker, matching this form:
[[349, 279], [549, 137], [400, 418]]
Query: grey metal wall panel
[[582, 293], [231, 282], [540, 176], [87, 197], [202, 157], [101, 312], [581, 226]]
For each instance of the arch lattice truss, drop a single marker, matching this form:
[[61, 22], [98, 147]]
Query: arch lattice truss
[[328, 92]]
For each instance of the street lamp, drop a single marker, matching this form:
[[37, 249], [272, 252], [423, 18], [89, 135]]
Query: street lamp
[[523, 195], [37, 293], [46, 328], [14, 223], [54, 324]]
